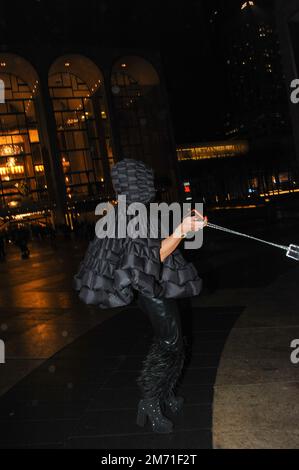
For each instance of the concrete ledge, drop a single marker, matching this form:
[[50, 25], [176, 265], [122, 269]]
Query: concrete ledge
[[256, 390]]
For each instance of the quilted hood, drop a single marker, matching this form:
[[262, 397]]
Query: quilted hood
[[134, 179]]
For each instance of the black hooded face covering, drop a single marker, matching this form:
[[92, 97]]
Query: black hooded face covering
[[133, 179]]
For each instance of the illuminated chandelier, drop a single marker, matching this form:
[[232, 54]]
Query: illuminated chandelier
[[11, 162], [10, 150]]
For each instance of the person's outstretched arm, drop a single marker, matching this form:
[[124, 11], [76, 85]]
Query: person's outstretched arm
[[189, 224]]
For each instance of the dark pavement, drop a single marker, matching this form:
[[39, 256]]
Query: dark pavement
[[72, 370], [85, 396]]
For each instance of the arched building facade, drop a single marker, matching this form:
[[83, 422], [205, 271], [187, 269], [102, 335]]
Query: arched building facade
[[66, 118]]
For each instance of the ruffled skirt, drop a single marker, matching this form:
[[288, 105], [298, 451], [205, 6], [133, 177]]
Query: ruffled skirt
[[113, 268]]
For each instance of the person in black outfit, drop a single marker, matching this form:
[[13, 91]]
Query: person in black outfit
[[2, 247], [20, 237], [114, 270]]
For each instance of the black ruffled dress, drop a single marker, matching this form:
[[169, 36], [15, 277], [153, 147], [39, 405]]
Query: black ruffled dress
[[113, 269]]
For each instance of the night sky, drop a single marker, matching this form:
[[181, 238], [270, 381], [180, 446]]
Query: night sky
[[190, 46]]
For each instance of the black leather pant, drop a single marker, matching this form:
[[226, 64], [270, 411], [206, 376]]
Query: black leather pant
[[163, 364]]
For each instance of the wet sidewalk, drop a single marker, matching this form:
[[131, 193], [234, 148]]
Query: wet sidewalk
[[39, 311], [70, 375], [85, 396]]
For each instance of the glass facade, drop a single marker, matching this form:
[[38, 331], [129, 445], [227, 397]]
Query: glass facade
[[77, 134], [235, 177], [61, 133], [212, 150], [22, 175], [140, 113]]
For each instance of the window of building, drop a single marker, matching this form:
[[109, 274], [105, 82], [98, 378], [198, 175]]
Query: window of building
[[77, 135], [82, 124], [141, 116], [22, 175]]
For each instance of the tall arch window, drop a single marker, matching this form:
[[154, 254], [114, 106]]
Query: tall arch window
[[141, 116], [75, 86], [22, 175]]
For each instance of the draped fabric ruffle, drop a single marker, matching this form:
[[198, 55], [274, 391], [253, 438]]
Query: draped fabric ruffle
[[113, 268]]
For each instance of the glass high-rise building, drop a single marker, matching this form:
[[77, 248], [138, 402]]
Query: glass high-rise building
[[250, 49]]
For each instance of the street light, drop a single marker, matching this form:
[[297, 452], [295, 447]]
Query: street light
[[247, 5]]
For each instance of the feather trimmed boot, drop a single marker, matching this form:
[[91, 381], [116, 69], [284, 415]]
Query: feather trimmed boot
[[170, 400], [159, 376], [174, 403], [163, 364], [150, 409], [154, 382]]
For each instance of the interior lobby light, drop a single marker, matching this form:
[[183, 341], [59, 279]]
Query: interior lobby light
[[3, 64], [13, 203], [39, 168], [247, 4], [10, 149], [65, 162], [124, 66], [11, 162], [67, 64]]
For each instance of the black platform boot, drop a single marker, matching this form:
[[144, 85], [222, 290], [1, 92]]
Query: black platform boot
[[174, 403], [150, 409], [154, 384], [163, 365]]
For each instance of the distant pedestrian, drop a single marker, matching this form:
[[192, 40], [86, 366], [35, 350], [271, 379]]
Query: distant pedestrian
[[20, 238], [2, 247]]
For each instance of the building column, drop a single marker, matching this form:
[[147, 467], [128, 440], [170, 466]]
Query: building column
[[112, 118], [102, 142], [177, 192], [51, 155]]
